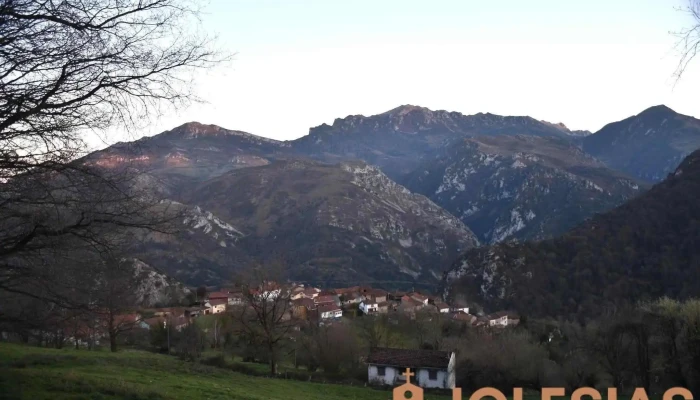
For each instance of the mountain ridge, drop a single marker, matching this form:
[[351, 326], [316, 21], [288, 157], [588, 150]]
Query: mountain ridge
[[643, 249]]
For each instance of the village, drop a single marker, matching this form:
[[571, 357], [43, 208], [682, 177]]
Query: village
[[294, 310], [313, 306], [325, 306]]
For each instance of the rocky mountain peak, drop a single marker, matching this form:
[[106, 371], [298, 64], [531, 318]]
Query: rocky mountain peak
[[657, 111], [405, 109], [194, 129], [648, 145]]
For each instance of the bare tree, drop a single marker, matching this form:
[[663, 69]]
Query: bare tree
[[69, 67], [426, 329], [376, 331], [689, 38], [110, 287], [266, 315]]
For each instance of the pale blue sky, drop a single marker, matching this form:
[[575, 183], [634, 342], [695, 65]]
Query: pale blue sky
[[303, 63]]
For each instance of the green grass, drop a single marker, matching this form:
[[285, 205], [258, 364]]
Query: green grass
[[38, 373]]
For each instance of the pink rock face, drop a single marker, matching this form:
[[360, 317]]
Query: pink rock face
[[113, 161]]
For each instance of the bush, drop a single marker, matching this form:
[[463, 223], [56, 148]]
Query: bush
[[218, 361]]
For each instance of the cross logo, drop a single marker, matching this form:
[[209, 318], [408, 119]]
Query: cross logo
[[415, 391]]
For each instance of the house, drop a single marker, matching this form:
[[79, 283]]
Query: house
[[383, 307], [232, 297], [352, 298], [376, 295], [503, 319], [458, 306], [419, 297], [327, 299], [196, 311], [409, 305], [480, 321], [432, 368], [347, 291], [329, 311], [464, 317], [442, 307], [396, 296], [235, 299], [369, 307], [498, 319], [308, 293], [217, 305], [217, 295]]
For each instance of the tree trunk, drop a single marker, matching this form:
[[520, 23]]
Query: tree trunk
[[112, 341], [273, 360]]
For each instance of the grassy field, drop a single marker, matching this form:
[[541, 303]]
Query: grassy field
[[37, 373]]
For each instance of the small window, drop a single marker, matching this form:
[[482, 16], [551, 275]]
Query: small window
[[381, 371], [432, 374]]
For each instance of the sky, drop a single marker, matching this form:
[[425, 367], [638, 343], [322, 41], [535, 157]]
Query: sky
[[301, 63]]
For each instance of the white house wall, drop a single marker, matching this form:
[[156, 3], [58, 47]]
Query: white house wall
[[451, 379], [424, 379], [390, 375]]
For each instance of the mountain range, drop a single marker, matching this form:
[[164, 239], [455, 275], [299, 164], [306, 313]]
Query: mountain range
[[645, 249], [390, 198]]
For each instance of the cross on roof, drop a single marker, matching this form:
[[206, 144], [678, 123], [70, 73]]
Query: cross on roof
[[408, 374]]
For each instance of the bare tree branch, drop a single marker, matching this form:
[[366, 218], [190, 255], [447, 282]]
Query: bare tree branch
[[688, 38], [67, 67]]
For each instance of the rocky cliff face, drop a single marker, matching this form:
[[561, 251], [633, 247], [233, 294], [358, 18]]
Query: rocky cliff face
[[398, 140], [520, 187], [334, 222], [155, 288]]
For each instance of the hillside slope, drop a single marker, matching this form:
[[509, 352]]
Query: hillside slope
[[188, 154], [41, 373], [648, 145], [520, 187], [647, 248], [346, 222]]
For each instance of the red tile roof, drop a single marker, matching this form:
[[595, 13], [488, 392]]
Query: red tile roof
[[419, 297], [404, 358], [324, 299], [328, 308], [347, 290]]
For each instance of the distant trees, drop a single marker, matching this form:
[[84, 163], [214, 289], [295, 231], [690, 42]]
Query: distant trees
[[333, 347], [426, 329], [68, 68]]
